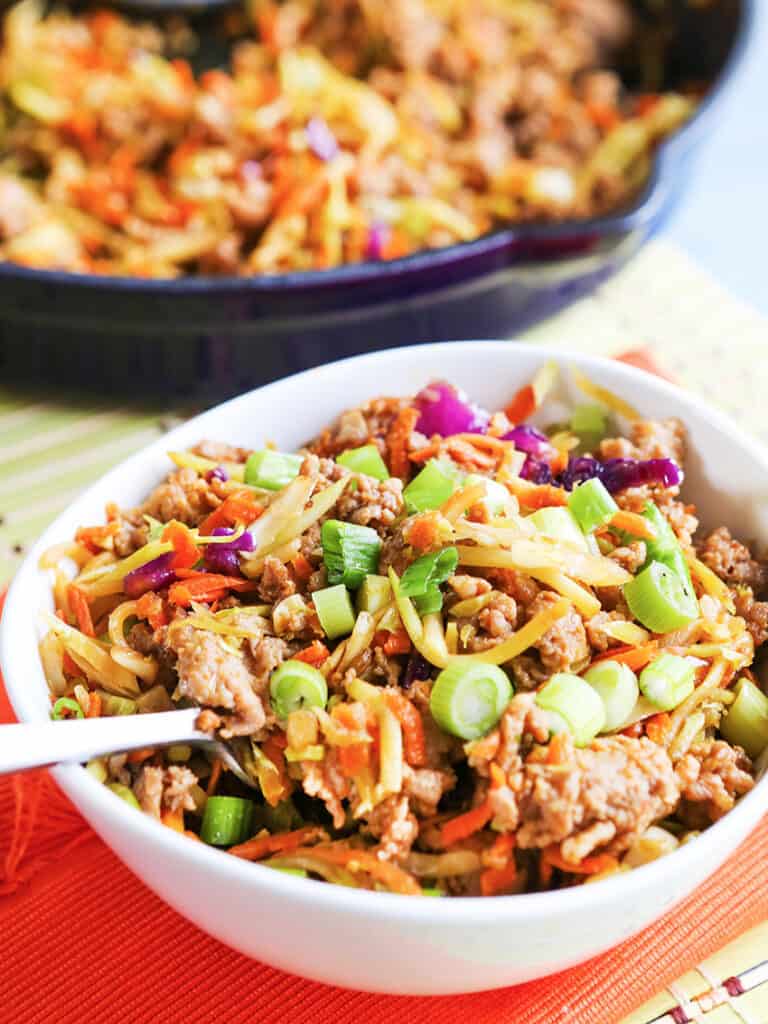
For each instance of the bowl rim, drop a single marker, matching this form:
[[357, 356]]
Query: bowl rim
[[638, 215], [86, 791]]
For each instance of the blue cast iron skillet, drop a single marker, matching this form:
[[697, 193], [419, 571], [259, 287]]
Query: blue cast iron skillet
[[209, 337]]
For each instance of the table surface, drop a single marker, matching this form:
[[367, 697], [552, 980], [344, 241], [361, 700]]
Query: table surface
[[722, 220]]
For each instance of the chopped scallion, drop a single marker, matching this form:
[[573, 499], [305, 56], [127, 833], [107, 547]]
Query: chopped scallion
[[334, 610], [226, 820], [616, 685], [374, 594], [746, 723], [125, 793], [667, 681], [297, 685], [468, 700], [350, 552], [271, 471], [589, 423], [431, 488], [66, 707], [577, 703], [112, 705], [559, 524], [591, 505], [364, 460], [659, 598]]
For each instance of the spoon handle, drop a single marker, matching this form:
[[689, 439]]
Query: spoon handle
[[34, 744]]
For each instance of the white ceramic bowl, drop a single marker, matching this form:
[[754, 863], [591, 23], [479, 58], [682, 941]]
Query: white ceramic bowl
[[377, 941]]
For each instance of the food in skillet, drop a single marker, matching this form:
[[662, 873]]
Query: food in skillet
[[460, 655], [343, 131]]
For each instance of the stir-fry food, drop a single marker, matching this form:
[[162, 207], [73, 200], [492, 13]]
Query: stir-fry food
[[342, 131], [455, 653]]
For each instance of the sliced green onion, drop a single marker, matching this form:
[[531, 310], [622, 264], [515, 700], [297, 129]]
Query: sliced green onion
[[374, 594], [125, 793], [298, 872], [112, 706], [226, 820], [665, 547], [468, 700], [66, 707], [589, 423], [659, 599], [97, 767], [350, 552], [559, 524], [364, 460], [272, 471], [431, 488], [497, 498], [616, 685], [429, 603], [432, 892], [334, 610], [577, 703], [297, 685], [429, 572], [591, 505], [746, 723], [667, 681]]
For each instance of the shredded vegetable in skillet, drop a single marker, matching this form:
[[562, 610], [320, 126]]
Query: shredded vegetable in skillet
[[445, 680], [343, 131]]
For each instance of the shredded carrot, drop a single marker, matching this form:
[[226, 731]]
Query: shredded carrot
[[536, 496], [185, 552], [633, 657], [494, 881], [94, 705], [204, 587], [79, 605], [467, 454], [354, 759], [95, 537], [491, 444], [588, 866], [392, 643], [397, 441], [467, 824], [315, 654], [240, 507], [302, 567], [137, 756], [355, 860], [69, 666], [635, 730], [262, 846], [414, 745], [213, 781], [461, 500], [522, 406], [173, 819], [429, 451], [498, 778], [150, 607], [423, 531], [559, 748], [656, 727], [631, 522]]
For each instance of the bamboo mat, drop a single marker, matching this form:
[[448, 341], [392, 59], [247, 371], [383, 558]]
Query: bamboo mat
[[51, 447]]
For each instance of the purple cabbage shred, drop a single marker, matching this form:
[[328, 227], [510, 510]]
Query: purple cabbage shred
[[378, 236], [219, 473], [416, 668], [224, 558], [536, 471], [531, 441], [619, 474], [151, 576], [321, 139], [445, 410]]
